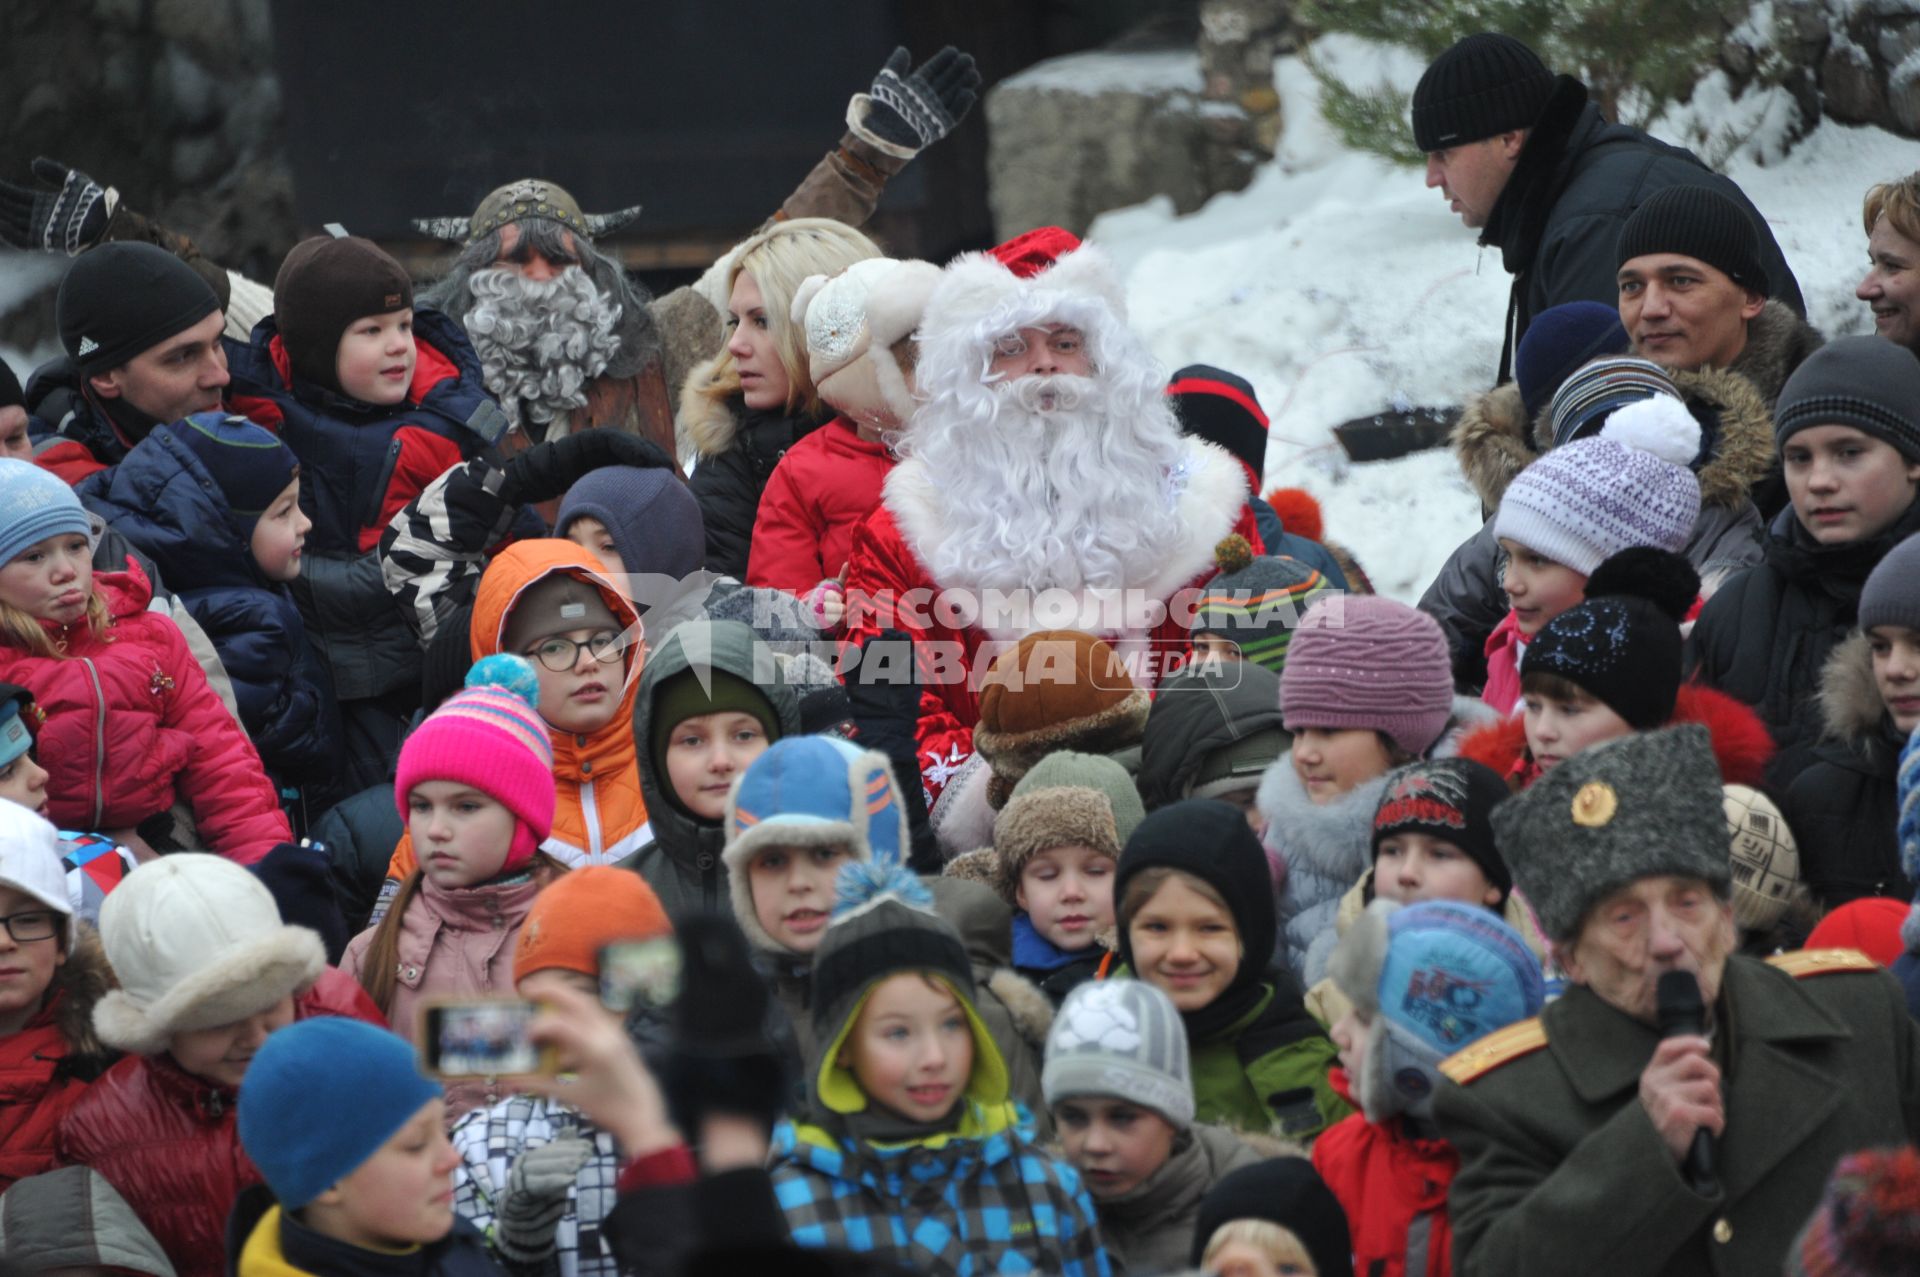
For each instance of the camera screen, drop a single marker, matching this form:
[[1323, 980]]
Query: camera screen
[[640, 973], [484, 1039]]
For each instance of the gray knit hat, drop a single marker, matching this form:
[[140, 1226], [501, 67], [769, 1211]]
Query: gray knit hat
[[1892, 593], [1066, 798], [1868, 383], [1122, 1038], [1636, 807]]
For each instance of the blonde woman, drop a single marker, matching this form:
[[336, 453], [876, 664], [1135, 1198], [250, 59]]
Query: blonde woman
[[746, 406]]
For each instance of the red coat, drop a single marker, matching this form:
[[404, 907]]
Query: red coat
[[35, 1093], [1741, 742], [132, 727], [168, 1141], [818, 494], [1386, 1180], [889, 587]]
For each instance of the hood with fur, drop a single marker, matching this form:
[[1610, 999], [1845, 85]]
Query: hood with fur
[[1778, 341], [1494, 441], [1850, 704]]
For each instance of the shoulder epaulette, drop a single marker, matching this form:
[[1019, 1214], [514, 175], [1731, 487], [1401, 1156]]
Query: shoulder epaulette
[[1802, 963], [1495, 1049]]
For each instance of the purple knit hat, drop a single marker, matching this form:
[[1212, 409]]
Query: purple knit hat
[[1360, 660]]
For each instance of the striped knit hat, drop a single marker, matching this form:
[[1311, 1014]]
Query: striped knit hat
[[490, 737], [1256, 602], [1587, 397], [1372, 662], [1868, 383], [1582, 504]]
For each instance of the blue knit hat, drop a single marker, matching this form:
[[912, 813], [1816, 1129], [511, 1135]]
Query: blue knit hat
[[248, 463], [1559, 340], [810, 791], [651, 514], [35, 505], [320, 1098]]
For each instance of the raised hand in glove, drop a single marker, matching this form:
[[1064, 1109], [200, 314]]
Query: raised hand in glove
[[64, 212], [546, 470], [536, 1197], [917, 108]]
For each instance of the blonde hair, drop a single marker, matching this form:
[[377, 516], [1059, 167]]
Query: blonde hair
[[1899, 202], [1277, 1243], [780, 258], [23, 629]]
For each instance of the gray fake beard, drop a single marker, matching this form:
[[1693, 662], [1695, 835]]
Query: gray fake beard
[[541, 342]]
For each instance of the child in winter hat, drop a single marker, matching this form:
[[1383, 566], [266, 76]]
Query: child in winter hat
[[94, 864], [1582, 503], [1275, 1216], [1403, 970], [536, 1177], [350, 1139], [1055, 847], [1117, 1080], [343, 307], [1194, 869], [475, 787], [87, 645], [903, 1068], [1249, 609], [1433, 835], [1368, 686]]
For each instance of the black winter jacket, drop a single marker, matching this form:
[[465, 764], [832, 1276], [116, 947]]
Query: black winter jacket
[[1766, 636], [461, 1253], [1205, 707], [1578, 179], [738, 448], [1843, 807]]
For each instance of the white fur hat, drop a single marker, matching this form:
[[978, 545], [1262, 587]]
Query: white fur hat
[[196, 941], [852, 322]]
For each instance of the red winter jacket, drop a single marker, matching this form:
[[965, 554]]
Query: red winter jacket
[[168, 1142], [1741, 742], [35, 1094], [132, 727], [888, 587], [818, 494], [1393, 1188]]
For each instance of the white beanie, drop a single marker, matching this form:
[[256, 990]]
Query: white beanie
[[1124, 1039], [1583, 503], [196, 941], [852, 322]]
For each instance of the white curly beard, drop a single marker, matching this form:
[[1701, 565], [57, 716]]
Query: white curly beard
[[541, 342]]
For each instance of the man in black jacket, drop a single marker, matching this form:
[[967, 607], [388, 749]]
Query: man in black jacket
[[1522, 155]]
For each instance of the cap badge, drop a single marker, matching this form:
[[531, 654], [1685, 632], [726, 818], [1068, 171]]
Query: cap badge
[[1595, 804]]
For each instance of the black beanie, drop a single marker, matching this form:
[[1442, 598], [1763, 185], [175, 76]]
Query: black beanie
[[325, 284], [1484, 85], [1210, 840], [1217, 406], [1698, 222], [1622, 645], [11, 396], [1446, 798], [122, 298], [1284, 1191]]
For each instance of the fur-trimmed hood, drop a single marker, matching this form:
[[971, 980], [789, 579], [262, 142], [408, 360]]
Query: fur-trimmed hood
[[985, 925], [711, 409], [1494, 441], [1778, 341], [1851, 708], [1210, 493], [1741, 743], [82, 980]]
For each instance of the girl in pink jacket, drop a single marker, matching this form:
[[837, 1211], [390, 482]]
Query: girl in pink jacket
[[475, 786], [128, 725]]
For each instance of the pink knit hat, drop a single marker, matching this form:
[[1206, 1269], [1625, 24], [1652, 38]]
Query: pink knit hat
[[1363, 661], [489, 737]]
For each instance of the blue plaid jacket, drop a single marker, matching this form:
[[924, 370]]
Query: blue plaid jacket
[[958, 1207]]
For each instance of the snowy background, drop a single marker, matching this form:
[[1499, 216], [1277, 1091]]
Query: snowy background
[[1339, 286]]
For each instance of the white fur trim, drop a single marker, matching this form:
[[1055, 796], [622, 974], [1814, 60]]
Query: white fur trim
[[978, 299], [1659, 425], [898, 299], [858, 108], [245, 980]]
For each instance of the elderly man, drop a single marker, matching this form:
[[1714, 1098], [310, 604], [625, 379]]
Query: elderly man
[[1576, 1130], [1524, 157], [1046, 485]]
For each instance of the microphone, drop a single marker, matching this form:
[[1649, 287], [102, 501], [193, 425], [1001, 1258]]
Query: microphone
[[1681, 1013]]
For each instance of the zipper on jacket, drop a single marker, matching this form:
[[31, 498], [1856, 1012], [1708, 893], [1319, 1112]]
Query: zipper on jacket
[[590, 811], [99, 741]]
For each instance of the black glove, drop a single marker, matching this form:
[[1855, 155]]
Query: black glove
[[546, 470], [66, 213], [722, 1059], [920, 108], [883, 693]]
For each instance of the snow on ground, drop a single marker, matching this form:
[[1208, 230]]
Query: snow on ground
[[1340, 286]]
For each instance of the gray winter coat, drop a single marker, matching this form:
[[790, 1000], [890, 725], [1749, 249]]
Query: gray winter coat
[[1148, 1231], [682, 863], [71, 1219], [1494, 442]]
